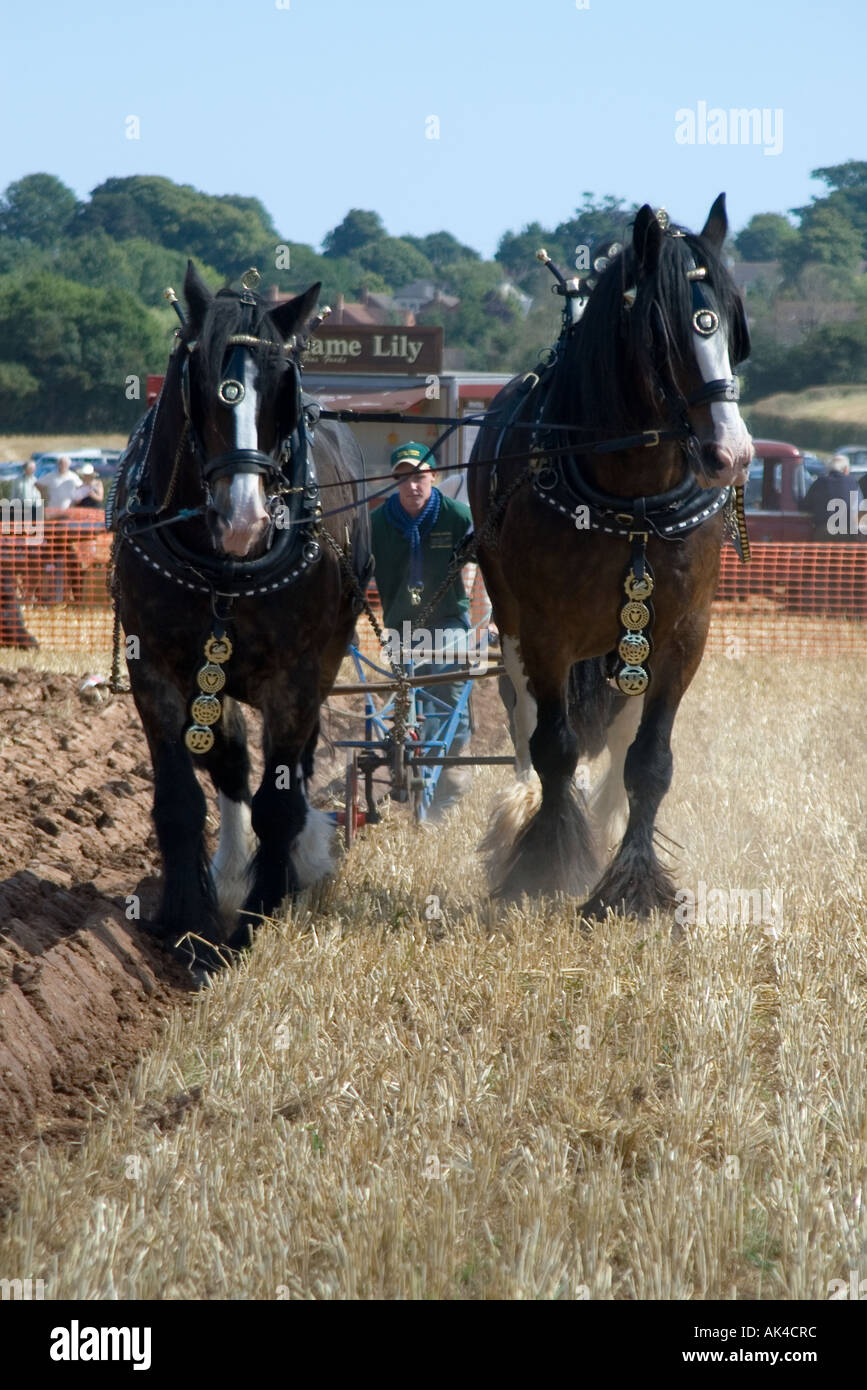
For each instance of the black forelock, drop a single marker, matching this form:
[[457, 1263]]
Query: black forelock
[[610, 374], [226, 316]]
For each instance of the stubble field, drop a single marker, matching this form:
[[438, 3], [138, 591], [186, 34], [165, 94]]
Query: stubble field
[[408, 1092]]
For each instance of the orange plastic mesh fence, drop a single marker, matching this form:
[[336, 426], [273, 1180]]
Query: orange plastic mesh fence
[[801, 599], [792, 599], [53, 574]]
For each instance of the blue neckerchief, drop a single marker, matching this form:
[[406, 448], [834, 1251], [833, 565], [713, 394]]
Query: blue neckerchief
[[413, 528]]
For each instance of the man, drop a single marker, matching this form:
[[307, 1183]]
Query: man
[[414, 534], [91, 493], [829, 501], [24, 490], [60, 485]]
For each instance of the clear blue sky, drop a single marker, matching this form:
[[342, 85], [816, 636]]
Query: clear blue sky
[[321, 106]]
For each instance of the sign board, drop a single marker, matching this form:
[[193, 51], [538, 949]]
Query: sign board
[[375, 348]]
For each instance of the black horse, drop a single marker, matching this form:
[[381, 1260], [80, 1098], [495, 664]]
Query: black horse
[[228, 591], [635, 439]]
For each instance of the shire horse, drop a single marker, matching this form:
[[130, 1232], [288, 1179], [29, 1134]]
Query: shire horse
[[635, 444], [228, 591]]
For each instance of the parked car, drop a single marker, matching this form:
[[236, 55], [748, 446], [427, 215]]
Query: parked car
[[814, 466], [778, 482]]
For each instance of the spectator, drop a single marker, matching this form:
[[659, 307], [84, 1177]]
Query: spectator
[[60, 485], [833, 501], [25, 490], [91, 493]]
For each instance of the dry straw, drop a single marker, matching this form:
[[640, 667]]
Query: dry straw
[[486, 1104]]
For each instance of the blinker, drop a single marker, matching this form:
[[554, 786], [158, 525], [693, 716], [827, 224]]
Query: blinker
[[705, 322], [230, 391]]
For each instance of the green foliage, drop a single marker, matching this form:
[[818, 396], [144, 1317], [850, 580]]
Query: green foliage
[[603, 220], [395, 260], [179, 218], [38, 209], [79, 344], [831, 354], [18, 388], [766, 237], [356, 230], [516, 253], [826, 237], [441, 248]]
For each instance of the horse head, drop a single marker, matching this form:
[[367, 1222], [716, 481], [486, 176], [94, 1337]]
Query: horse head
[[242, 400], [683, 306]]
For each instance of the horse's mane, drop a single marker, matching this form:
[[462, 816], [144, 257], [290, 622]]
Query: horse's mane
[[608, 377]]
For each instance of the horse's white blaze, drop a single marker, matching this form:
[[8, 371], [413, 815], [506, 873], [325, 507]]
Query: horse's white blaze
[[312, 853], [231, 863], [524, 714], [729, 431], [609, 805], [246, 516]]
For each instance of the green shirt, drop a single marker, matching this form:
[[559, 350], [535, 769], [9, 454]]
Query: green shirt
[[391, 549]]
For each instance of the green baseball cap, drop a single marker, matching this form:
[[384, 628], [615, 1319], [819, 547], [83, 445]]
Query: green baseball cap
[[419, 455]]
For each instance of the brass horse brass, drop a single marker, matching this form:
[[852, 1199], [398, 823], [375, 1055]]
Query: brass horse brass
[[206, 709], [218, 649], [211, 678], [198, 739], [635, 615]]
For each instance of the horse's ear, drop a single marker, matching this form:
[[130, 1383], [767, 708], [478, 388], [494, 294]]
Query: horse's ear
[[717, 224], [295, 314], [647, 237], [197, 295]]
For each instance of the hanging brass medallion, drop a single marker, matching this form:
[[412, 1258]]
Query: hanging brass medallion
[[635, 615], [632, 680], [633, 648], [211, 678], [199, 739], [638, 588], [218, 649], [206, 709]]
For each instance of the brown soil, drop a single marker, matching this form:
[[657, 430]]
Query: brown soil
[[82, 988]]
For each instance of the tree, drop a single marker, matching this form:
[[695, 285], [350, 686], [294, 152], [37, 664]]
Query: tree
[[516, 253], [607, 219], [826, 237], [356, 230], [440, 248], [848, 195], [178, 217], [766, 237], [37, 209], [252, 207], [18, 391], [80, 345], [395, 261]]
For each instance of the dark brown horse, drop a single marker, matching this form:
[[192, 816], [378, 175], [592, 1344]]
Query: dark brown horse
[[636, 438], [228, 593]]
